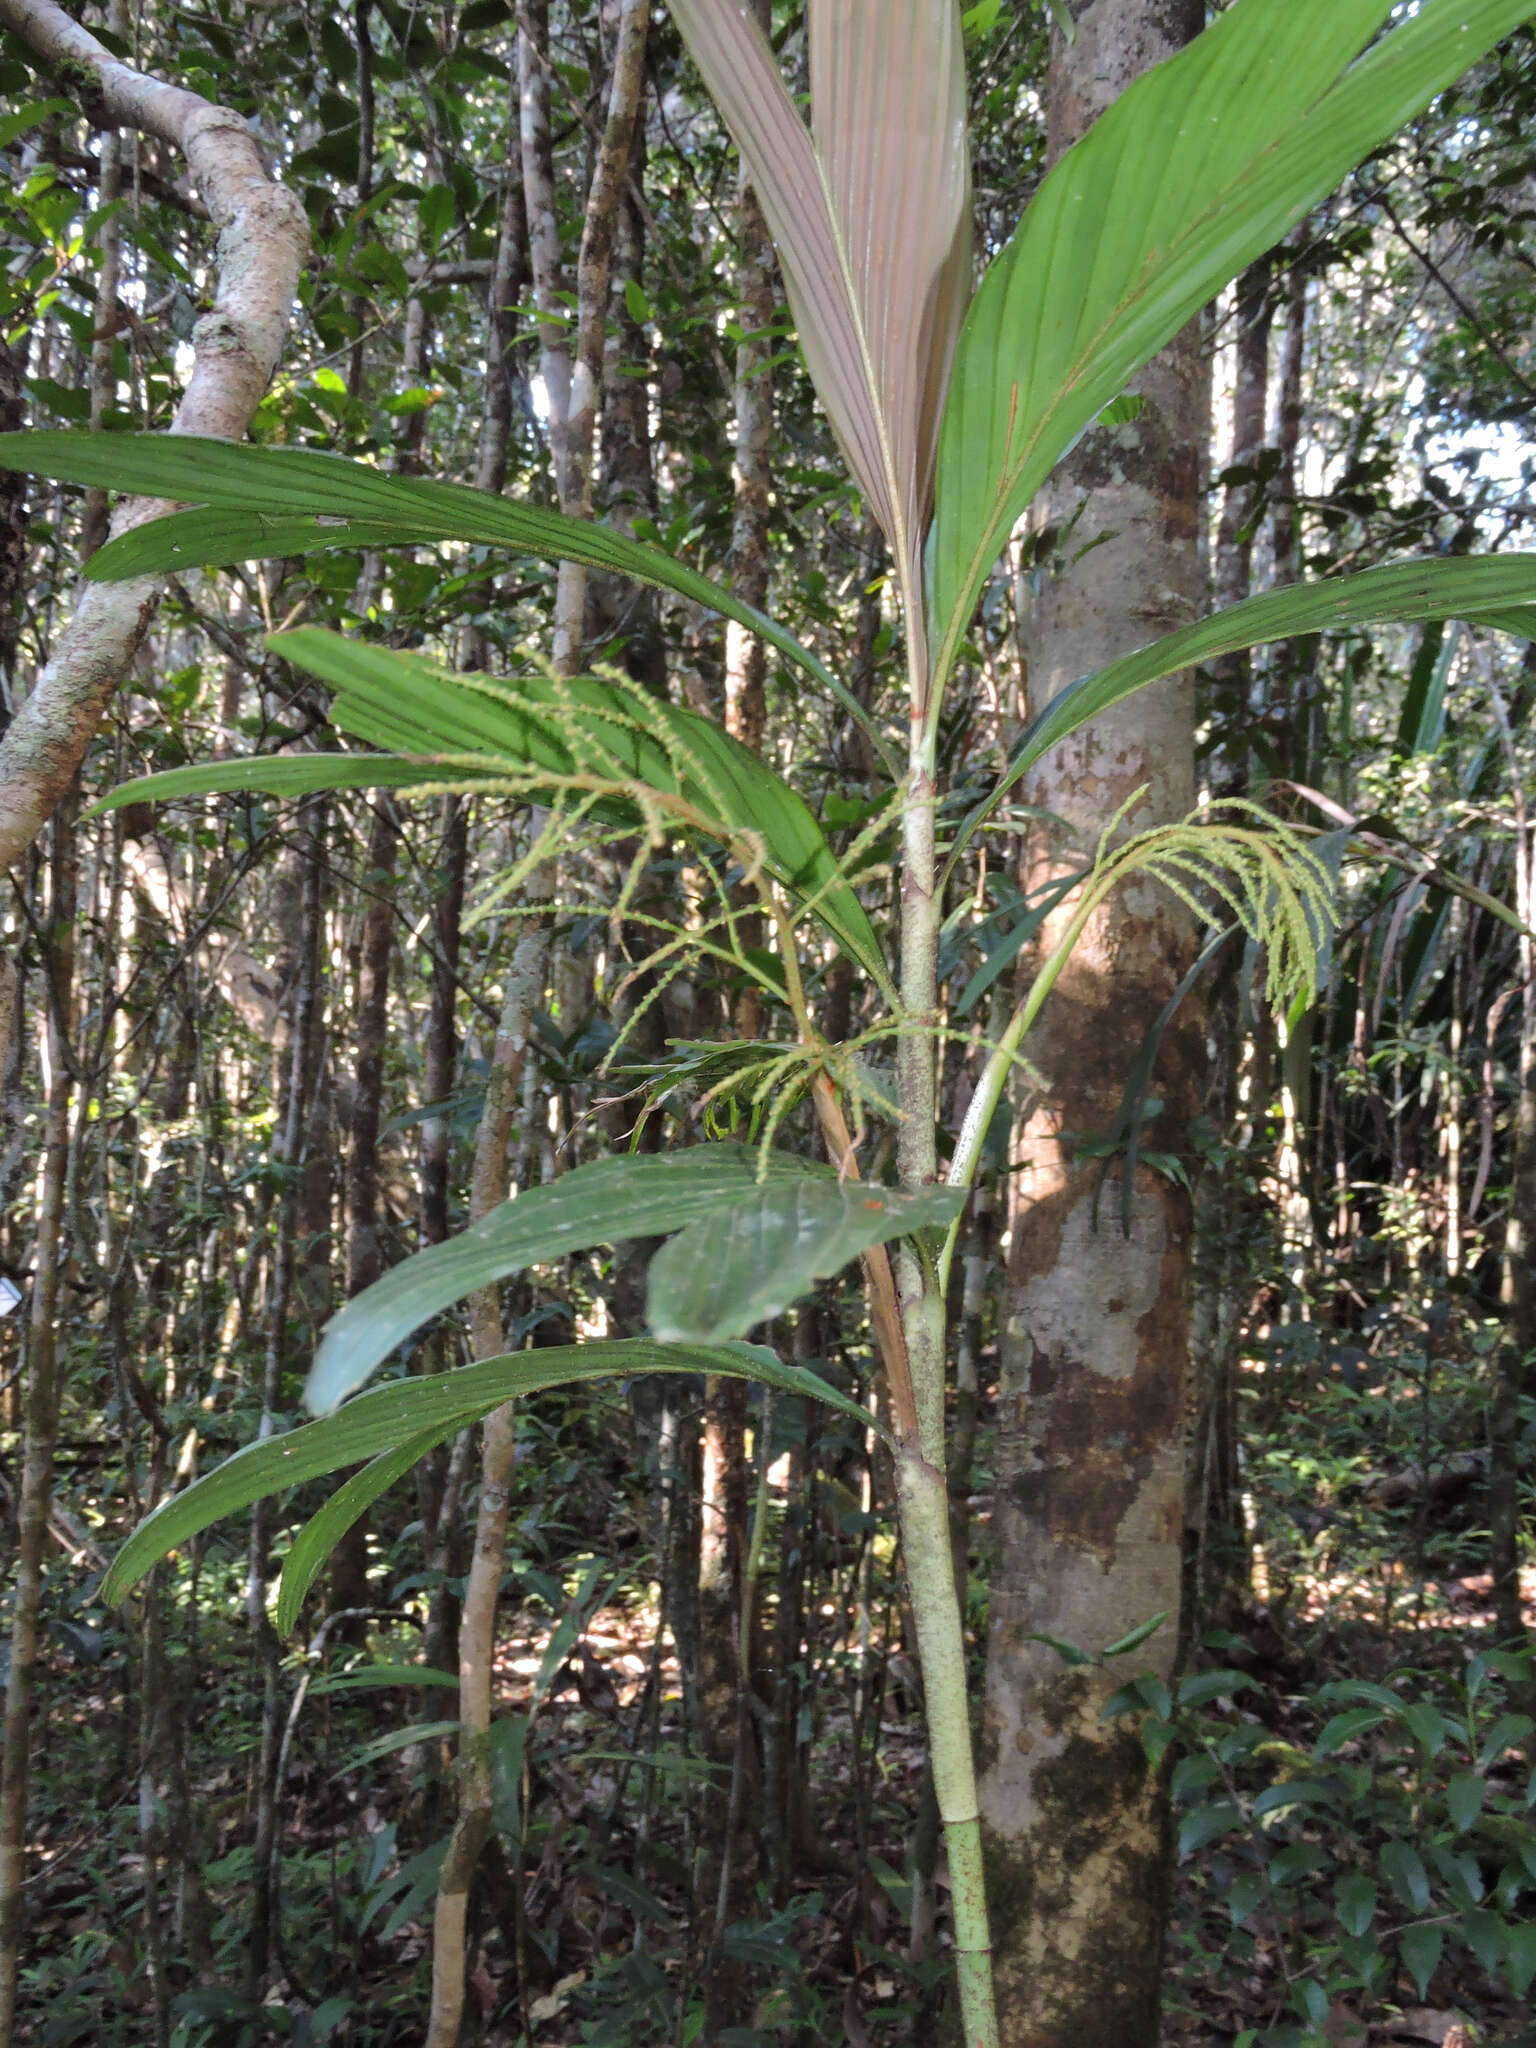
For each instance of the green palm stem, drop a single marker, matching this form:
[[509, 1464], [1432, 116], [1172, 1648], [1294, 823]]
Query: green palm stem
[[923, 1501], [922, 1494]]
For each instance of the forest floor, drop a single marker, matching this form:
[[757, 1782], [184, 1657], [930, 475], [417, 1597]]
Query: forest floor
[[614, 1812]]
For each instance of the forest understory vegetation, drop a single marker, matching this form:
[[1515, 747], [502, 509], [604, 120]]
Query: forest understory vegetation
[[766, 1193], [1367, 1578]]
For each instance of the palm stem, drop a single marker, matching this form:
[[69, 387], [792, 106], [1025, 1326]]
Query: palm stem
[[921, 1493]]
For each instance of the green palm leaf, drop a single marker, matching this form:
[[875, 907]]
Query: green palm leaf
[[422, 1411], [408, 705], [289, 775], [437, 728], [870, 213], [323, 1531], [257, 502], [1198, 168], [1486, 591], [748, 1259], [629, 1196]]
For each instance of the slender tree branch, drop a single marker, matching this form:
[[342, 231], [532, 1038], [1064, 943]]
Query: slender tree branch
[[263, 242], [1464, 307]]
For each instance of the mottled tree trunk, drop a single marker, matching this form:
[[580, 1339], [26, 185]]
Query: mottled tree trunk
[[1517, 1293], [1230, 699], [1094, 1347], [745, 664], [263, 240], [477, 1638], [619, 610], [1215, 1536], [40, 1426], [93, 527], [287, 1150], [593, 265], [13, 533], [725, 1412], [349, 1560]]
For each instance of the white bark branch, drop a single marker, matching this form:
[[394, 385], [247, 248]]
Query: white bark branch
[[263, 242]]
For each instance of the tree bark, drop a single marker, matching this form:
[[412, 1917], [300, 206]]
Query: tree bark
[[543, 222], [109, 192], [442, 1050], [13, 534], [349, 1560], [724, 1491], [609, 172], [1215, 1537], [40, 1426], [1517, 1290], [263, 241], [268, 1650], [1231, 674], [619, 610], [1089, 1455], [745, 662], [477, 1630]]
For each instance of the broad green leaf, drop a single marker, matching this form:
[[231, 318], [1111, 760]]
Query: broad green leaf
[[1157, 1738], [1427, 1724], [1520, 620], [1203, 1686], [1400, 593], [1198, 167], [744, 1263], [627, 1196], [370, 1677], [396, 1739], [258, 502], [322, 1532], [1069, 1653], [386, 1417], [1506, 1733], [1249, 1891], [1204, 1824], [1309, 1998], [1361, 1689], [29, 114], [1462, 1872], [285, 775], [409, 705], [1345, 1728], [1295, 1863], [1355, 1900], [871, 219], [1485, 1935], [1192, 1775], [1422, 723], [1147, 1693], [1464, 1797], [1138, 1635], [1520, 1958], [1293, 1792], [1404, 1870]]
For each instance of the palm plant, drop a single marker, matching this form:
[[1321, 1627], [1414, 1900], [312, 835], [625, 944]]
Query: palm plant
[[951, 407]]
